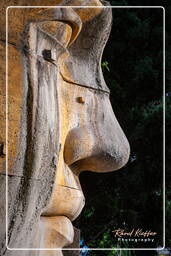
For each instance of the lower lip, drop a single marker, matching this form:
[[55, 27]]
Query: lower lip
[[55, 232]]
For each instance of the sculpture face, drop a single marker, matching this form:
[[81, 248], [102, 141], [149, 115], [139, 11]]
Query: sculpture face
[[66, 125], [87, 143]]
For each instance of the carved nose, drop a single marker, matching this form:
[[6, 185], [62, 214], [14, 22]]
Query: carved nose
[[99, 146]]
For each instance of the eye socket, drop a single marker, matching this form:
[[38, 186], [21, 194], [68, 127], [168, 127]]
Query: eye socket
[[48, 55]]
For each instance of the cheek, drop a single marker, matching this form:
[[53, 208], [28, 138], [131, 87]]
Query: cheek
[[77, 106]]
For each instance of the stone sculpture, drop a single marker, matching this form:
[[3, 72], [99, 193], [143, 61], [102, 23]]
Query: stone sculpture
[[60, 120]]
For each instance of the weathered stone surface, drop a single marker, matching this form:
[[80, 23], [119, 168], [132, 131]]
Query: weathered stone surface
[[60, 121]]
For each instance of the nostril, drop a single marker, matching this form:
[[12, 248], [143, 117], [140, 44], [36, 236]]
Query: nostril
[[78, 145]]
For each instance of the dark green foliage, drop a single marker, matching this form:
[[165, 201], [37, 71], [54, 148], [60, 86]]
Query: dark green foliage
[[133, 70]]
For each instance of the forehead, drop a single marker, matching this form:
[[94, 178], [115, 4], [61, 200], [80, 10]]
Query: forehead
[[20, 16]]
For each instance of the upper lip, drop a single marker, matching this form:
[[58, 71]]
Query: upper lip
[[68, 202]]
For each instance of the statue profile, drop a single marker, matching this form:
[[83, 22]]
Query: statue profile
[[60, 120]]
